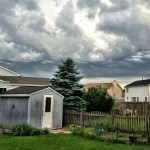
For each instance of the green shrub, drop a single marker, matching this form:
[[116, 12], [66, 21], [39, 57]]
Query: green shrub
[[75, 129], [27, 130], [103, 125]]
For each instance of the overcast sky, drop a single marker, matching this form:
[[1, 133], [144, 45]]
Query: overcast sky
[[108, 39]]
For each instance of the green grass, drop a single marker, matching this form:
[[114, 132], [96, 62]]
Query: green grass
[[61, 142]]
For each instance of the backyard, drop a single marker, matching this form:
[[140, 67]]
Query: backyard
[[60, 142]]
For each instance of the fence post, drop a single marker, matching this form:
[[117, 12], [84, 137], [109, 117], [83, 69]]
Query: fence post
[[81, 118], [112, 117]]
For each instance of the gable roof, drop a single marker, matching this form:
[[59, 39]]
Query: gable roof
[[3, 68], [103, 85], [25, 90], [139, 83], [25, 80]]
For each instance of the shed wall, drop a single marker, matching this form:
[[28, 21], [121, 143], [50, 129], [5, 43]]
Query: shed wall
[[57, 111], [13, 110]]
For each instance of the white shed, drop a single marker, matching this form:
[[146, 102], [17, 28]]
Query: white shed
[[38, 106]]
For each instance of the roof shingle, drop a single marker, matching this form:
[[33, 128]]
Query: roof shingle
[[139, 82], [25, 80], [25, 90]]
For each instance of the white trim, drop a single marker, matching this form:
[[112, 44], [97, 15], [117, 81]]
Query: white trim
[[52, 106], [10, 71], [49, 89], [4, 81], [14, 95], [11, 84], [29, 110]]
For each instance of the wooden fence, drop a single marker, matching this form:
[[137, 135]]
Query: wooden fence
[[126, 123], [143, 108]]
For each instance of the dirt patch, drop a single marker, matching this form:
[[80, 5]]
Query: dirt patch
[[61, 130]]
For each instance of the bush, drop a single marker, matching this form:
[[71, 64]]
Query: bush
[[103, 125], [98, 99], [27, 130], [75, 129]]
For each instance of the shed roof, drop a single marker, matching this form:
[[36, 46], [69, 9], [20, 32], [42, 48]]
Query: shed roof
[[139, 83], [25, 90], [25, 80]]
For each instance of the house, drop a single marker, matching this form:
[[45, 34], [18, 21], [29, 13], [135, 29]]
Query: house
[[11, 82], [38, 106], [113, 89], [138, 91], [6, 72]]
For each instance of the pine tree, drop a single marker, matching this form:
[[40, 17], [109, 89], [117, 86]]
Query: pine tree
[[66, 82]]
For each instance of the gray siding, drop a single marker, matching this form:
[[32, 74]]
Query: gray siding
[[36, 109], [10, 115], [57, 111], [48, 92]]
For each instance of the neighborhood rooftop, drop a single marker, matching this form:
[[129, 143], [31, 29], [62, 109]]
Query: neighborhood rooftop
[[25, 90], [103, 85], [139, 82], [25, 80]]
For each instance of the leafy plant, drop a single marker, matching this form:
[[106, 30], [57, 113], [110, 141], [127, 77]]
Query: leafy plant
[[75, 129], [27, 130], [98, 99]]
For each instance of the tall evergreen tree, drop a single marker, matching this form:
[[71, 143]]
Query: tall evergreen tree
[[66, 82]]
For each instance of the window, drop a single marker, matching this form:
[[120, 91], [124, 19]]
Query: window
[[145, 99], [48, 104], [133, 99], [127, 90], [127, 97], [137, 99], [2, 90]]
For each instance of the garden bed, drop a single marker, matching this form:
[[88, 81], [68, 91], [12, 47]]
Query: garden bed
[[115, 137]]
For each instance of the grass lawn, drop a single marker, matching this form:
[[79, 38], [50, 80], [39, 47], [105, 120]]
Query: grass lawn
[[61, 142]]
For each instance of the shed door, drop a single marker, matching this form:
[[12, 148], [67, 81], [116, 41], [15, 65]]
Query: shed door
[[47, 111]]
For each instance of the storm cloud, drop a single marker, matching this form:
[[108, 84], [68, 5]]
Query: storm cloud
[[106, 38]]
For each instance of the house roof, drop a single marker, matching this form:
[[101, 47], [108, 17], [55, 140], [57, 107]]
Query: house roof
[[24, 90], [25, 80], [139, 83], [103, 85]]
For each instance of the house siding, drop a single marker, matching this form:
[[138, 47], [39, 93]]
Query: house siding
[[4, 72], [139, 91], [10, 115]]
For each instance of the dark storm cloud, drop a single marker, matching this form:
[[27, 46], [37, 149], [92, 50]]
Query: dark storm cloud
[[65, 21], [35, 49], [114, 69], [31, 68], [128, 22], [130, 26], [22, 26], [88, 3]]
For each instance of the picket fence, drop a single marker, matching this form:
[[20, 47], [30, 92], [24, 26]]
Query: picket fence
[[125, 123]]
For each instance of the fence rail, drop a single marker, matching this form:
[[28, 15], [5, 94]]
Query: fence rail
[[127, 123]]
